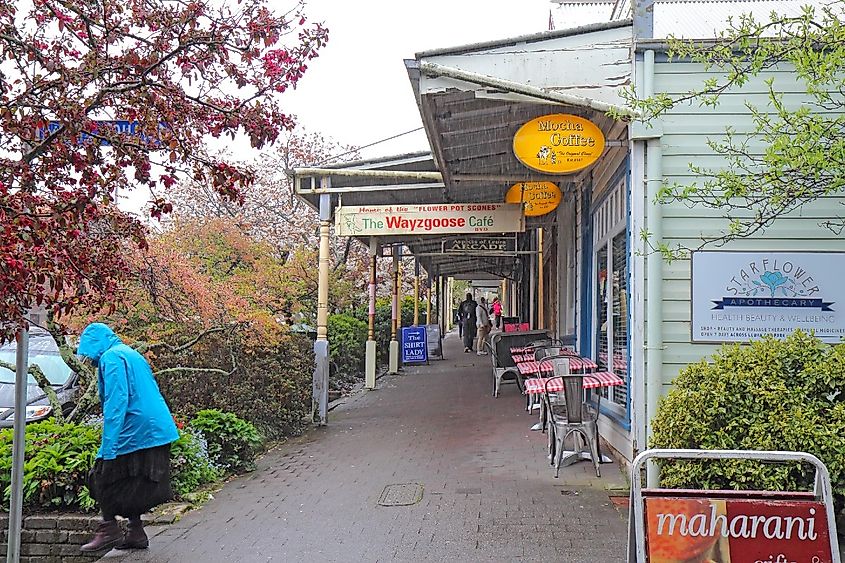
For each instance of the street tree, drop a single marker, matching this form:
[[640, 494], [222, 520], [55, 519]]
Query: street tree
[[795, 153], [98, 96]]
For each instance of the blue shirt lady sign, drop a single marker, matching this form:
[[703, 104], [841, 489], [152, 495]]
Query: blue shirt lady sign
[[414, 345]]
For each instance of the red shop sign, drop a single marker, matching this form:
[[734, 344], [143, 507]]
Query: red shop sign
[[704, 527]]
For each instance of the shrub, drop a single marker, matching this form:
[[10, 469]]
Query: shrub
[[269, 387], [57, 459], [232, 442], [347, 347], [384, 313], [190, 463], [770, 395]]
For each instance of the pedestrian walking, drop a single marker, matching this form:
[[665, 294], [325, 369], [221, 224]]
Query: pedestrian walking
[[459, 319], [497, 312], [482, 322], [132, 470], [467, 309]]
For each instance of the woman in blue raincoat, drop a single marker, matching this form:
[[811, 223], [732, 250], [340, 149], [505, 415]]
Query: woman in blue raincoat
[[132, 471]]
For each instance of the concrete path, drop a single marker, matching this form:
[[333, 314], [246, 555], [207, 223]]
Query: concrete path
[[488, 493]]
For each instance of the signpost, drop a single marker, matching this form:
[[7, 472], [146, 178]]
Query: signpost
[[121, 126], [414, 345], [732, 526], [540, 198], [558, 143], [435, 219], [742, 296], [434, 339]]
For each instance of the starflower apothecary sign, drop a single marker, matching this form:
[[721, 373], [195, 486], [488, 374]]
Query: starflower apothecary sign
[[741, 296]]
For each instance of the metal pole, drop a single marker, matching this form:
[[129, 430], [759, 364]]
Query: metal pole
[[541, 305], [428, 302], [393, 353], [13, 548], [370, 357], [321, 345], [416, 292]]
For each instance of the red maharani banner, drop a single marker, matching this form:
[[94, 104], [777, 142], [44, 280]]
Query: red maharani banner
[[713, 530]]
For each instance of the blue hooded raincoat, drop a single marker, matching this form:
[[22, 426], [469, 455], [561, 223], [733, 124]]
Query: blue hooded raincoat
[[135, 416]]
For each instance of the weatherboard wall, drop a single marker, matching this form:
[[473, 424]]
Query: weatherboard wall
[[686, 131]]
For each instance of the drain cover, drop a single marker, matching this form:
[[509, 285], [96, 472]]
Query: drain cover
[[402, 494]]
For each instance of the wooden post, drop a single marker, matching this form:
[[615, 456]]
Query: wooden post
[[371, 352], [393, 356], [320, 390], [416, 292]]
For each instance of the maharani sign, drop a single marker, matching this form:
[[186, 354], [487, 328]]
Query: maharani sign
[[742, 296], [730, 530], [558, 143], [539, 198], [435, 219]]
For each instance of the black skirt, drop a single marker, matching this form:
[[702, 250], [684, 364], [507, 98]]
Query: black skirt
[[131, 484]]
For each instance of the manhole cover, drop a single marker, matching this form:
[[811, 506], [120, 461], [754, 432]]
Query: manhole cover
[[402, 494]]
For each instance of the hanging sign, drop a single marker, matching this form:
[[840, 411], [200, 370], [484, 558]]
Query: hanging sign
[[558, 143], [485, 246], [433, 219], [414, 345], [735, 530], [742, 296], [539, 198]]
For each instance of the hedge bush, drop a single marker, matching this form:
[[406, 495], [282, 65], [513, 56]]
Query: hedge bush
[[232, 442], [269, 387], [770, 395], [384, 314], [347, 347], [57, 458], [191, 465]]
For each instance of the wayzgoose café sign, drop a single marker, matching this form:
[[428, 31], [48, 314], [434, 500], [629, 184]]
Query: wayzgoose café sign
[[429, 219]]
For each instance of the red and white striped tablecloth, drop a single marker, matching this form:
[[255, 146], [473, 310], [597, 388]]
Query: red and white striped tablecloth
[[575, 363], [537, 385]]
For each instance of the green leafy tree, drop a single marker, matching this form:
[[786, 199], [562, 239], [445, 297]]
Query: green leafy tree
[[794, 154]]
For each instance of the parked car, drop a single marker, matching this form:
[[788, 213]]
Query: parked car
[[44, 352]]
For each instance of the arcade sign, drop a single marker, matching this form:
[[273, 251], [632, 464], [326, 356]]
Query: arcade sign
[[480, 246], [558, 143]]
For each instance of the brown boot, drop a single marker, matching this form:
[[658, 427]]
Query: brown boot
[[135, 537], [107, 534]]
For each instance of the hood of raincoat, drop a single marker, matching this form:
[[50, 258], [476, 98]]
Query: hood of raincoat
[[95, 340]]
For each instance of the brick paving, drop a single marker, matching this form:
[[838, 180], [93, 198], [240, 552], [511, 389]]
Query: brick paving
[[488, 491]]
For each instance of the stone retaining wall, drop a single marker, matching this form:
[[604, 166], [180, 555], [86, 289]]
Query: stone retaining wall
[[52, 538]]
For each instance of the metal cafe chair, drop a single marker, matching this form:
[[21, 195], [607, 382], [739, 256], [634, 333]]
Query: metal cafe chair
[[580, 421], [500, 372]]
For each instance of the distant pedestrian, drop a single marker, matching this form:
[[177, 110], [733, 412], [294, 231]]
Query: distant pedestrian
[[132, 470], [497, 312], [459, 319], [467, 309], [482, 322]]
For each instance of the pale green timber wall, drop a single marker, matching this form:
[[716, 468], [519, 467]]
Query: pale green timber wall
[[686, 131]]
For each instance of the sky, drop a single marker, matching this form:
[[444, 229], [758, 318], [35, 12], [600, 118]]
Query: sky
[[357, 91]]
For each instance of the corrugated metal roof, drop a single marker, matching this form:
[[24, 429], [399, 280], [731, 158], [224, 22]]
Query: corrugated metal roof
[[689, 19]]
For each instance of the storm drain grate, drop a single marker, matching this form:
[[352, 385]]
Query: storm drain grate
[[401, 494]]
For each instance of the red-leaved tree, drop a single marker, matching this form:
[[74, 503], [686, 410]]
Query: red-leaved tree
[[105, 95]]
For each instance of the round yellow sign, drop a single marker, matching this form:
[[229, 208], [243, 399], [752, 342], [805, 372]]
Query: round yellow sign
[[558, 143], [539, 197]]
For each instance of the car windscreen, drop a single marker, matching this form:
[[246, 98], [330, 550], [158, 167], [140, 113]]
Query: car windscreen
[[44, 353]]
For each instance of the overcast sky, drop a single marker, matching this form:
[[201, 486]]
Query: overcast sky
[[358, 91]]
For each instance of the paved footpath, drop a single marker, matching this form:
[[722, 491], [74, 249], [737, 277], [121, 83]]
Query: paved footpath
[[488, 493]]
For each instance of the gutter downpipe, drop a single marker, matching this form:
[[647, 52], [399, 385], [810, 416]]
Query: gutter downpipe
[[654, 288]]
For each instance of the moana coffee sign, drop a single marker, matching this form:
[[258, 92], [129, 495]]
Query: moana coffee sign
[[558, 143], [539, 198], [435, 219], [742, 296], [735, 530]]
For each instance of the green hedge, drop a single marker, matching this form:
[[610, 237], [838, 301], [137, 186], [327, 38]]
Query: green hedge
[[57, 459], [347, 345], [384, 314], [232, 442], [770, 395]]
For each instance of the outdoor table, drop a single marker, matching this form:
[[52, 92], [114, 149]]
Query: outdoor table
[[537, 386]]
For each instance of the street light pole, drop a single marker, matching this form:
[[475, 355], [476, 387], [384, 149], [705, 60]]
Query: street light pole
[[13, 547]]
